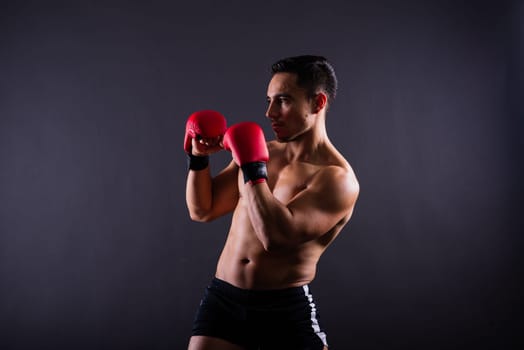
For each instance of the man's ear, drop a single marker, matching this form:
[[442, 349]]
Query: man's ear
[[319, 102]]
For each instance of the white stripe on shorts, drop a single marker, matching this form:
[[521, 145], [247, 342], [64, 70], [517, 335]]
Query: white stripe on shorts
[[314, 321]]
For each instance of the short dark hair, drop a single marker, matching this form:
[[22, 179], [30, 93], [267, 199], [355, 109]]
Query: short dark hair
[[313, 73]]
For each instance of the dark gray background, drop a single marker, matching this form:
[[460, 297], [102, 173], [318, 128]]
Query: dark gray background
[[96, 247]]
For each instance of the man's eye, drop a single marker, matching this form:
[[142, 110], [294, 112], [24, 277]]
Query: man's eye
[[279, 101]]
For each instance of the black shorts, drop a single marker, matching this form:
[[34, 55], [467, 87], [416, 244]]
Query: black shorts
[[260, 319]]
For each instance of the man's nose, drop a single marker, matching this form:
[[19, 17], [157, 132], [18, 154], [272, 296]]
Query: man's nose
[[271, 111]]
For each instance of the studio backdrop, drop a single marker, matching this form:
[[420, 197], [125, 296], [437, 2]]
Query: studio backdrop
[[97, 250]]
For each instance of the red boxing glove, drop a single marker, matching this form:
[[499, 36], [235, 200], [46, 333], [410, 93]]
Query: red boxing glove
[[247, 143], [203, 124]]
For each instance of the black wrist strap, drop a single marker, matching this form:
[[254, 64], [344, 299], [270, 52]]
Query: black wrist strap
[[197, 162], [254, 172]]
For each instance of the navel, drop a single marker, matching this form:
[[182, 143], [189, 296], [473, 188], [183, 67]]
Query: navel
[[245, 261]]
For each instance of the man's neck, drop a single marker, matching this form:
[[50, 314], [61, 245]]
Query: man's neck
[[308, 145]]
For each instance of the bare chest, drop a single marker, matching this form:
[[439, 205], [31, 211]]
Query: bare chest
[[287, 181]]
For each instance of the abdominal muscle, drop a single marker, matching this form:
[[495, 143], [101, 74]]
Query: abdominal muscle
[[245, 263]]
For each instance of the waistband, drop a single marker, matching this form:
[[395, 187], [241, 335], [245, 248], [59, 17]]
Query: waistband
[[258, 294]]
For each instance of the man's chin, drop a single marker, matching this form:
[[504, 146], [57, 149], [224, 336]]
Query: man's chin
[[283, 139]]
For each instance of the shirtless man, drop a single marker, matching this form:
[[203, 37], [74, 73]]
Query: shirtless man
[[290, 198]]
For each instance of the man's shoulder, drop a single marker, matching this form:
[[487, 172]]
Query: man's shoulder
[[338, 169], [341, 171], [339, 182], [334, 159]]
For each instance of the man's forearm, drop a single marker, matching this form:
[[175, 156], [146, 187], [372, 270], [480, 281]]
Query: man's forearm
[[199, 193], [270, 218]]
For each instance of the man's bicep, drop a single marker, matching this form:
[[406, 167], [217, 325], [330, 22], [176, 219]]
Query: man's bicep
[[329, 199]]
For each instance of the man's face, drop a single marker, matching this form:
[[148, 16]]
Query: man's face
[[289, 109]]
